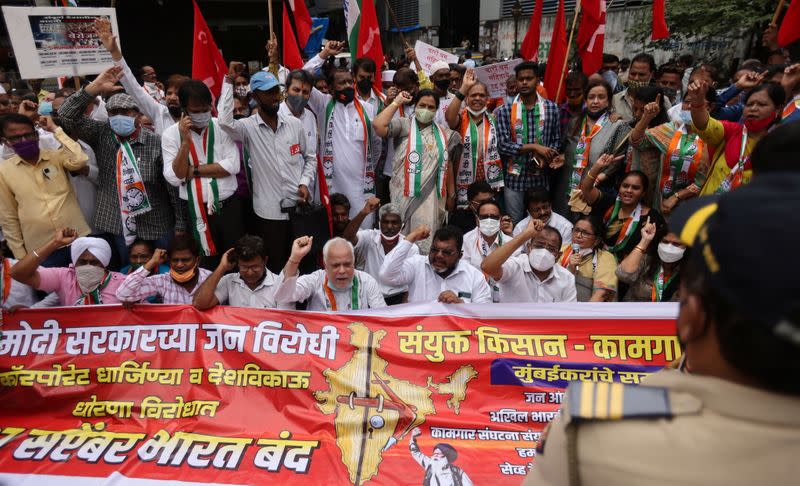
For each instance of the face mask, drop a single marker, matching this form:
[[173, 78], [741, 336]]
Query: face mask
[[670, 253], [122, 125], [269, 110], [442, 84], [576, 101], [759, 125], [26, 149], [182, 277], [344, 96], [633, 86], [297, 103], [541, 259], [595, 115], [135, 266], [476, 112], [670, 93], [239, 117], [489, 227], [424, 116], [89, 277], [390, 238], [46, 108], [242, 90], [174, 111], [685, 117], [200, 120], [365, 85]]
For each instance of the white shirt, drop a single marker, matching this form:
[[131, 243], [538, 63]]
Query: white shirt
[[232, 290], [280, 160], [476, 249], [348, 146], [297, 289], [86, 186], [369, 251], [444, 102], [225, 154], [520, 284], [147, 104], [560, 223], [19, 294], [425, 285]]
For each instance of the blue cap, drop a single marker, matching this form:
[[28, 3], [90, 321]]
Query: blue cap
[[263, 81]]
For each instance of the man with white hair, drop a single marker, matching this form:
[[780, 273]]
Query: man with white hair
[[439, 467], [86, 282], [339, 287], [372, 245]]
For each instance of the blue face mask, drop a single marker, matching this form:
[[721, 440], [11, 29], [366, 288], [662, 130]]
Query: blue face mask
[[46, 108], [122, 125], [685, 116]]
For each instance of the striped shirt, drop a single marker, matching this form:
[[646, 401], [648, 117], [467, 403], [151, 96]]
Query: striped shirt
[[140, 285]]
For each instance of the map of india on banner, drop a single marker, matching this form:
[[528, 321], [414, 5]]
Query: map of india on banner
[[244, 396]]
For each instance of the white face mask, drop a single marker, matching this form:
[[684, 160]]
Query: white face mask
[[541, 259], [674, 113], [89, 277], [390, 238], [476, 113], [669, 253], [200, 120], [489, 227], [685, 117]]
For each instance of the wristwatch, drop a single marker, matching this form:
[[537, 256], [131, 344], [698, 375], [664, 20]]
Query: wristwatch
[[196, 172], [460, 95]]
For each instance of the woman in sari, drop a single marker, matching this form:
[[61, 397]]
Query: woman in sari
[[422, 183], [731, 142]]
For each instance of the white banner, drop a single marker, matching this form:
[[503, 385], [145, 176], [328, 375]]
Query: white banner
[[427, 55], [494, 76], [56, 41]]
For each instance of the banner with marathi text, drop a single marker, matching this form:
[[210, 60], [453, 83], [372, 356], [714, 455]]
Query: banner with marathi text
[[246, 396]]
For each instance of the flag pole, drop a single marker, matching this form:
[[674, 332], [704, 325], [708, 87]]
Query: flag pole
[[777, 13], [271, 29], [569, 47], [396, 24]]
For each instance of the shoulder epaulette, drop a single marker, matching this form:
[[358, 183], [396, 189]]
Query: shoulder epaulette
[[589, 400]]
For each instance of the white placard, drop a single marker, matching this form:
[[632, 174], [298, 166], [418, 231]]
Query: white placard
[[58, 41], [427, 55], [494, 76]]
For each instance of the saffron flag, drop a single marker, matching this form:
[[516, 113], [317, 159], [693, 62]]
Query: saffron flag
[[208, 64], [529, 50], [790, 26], [557, 58], [591, 35], [363, 34], [296, 30], [660, 29]]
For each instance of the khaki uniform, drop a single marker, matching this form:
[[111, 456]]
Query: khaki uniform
[[674, 429]]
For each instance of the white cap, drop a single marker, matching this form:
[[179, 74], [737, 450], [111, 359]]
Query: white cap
[[439, 65], [387, 76]]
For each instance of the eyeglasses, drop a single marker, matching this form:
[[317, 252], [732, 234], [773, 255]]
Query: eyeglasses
[[581, 233], [24, 136], [489, 216], [447, 253]]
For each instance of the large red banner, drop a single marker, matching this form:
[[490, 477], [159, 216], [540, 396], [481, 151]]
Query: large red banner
[[245, 396]]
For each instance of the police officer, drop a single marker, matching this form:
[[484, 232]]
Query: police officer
[[734, 416]]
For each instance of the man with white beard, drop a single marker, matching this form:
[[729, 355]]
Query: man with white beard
[[439, 468]]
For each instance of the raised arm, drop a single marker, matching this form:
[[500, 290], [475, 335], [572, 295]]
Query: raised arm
[[350, 233], [225, 104], [381, 122], [26, 270], [137, 286], [493, 263], [453, 113], [396, 269], [72, 111], [628, 270], [590, 193], [700, 115], [289, 289], [651, 110], [206, 297]]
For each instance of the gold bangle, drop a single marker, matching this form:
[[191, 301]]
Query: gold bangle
[[590, 176], [637, 248]]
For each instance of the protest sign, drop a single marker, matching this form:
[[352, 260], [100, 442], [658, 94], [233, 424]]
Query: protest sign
[[49, 42], [427, 55], [494, 76], [247, 396]]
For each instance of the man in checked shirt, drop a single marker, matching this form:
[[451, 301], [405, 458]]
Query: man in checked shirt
[[528, 135]]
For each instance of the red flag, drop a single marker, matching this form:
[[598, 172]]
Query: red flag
[[591, 35], [557, 57], [529, 50], [660, 29], [296, 29], [208, 65], [790, 26], [369, 39]]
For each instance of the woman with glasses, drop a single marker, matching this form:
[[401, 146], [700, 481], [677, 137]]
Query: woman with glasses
[[594, 268]]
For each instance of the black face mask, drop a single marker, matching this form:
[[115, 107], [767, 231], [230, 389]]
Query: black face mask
[[344, 96], [595, 115], [365, 85], [239, 117], [269, 110], [174, 111], [442, 84]]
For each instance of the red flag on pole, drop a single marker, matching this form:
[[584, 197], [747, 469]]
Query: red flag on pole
[[529, 50], [369, 39], [790, 26], [660, 29], [296, 29], [558, 54], [208, 65], [591, 35]]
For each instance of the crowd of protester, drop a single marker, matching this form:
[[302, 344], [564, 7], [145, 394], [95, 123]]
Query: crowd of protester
[[312, 189]]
